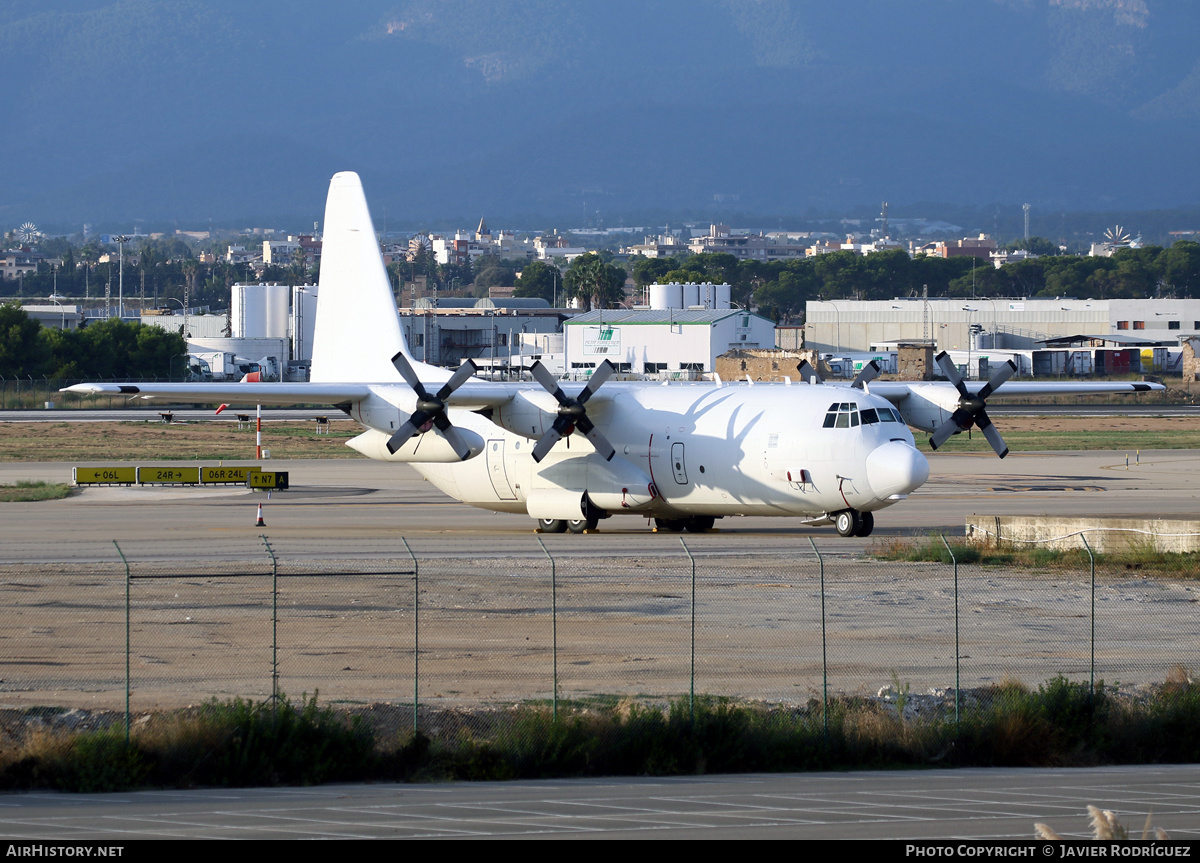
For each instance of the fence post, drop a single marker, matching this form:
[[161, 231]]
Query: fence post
[[127, 682], [692, 651], [274, 625], [1092, 672], [553, 624], [416, 631], [957, 648], [824, 649]]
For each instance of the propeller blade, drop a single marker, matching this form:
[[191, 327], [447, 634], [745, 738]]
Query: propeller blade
[[461, 448], [807, 373], [464, 373], [549, 382], [602, 373], [950, 370], [869, 372], [989, 431], [998, 379], [401, 437], [599, 441], [943, 433], [546, 443], [406, 371]]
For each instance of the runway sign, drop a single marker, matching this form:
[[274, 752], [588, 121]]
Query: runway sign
[[263, 479], [105, 475], [168, 475], [226, 475]]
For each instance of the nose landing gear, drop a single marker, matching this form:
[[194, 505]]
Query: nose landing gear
[[851, 522]]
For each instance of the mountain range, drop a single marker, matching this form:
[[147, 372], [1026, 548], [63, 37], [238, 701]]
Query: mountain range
[[159, 113]]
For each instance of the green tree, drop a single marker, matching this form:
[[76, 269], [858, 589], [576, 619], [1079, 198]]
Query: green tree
[[538, 280], [21, 351], [598, 284]]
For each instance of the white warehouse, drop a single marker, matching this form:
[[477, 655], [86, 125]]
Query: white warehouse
[[661, 343]]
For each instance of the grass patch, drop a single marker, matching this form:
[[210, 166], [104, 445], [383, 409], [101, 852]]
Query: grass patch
[[219, 440], [1129, 441], [239, 743], [1135, 558], [30, 491]]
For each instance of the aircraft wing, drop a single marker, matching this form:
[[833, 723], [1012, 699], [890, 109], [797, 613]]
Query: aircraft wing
[[232, 393], [472, 395], [899, 390]]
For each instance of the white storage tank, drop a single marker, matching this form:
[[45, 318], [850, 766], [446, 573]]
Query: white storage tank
[[260, 311], [278, 304], [248, 312], [663, 297], [691, 295], [304, 320], [723, 297]]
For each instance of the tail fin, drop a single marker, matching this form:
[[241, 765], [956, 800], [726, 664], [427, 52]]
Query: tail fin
[[357, 329]]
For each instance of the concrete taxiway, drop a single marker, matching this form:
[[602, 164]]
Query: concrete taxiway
[[352, 499]]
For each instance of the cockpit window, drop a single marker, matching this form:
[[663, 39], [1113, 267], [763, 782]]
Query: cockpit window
[[869, 416], [842, 415]]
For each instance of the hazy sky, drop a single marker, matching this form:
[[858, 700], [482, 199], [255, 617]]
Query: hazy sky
[[155, 110]]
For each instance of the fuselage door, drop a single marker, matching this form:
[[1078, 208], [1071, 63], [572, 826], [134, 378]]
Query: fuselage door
[[677, 464], [496, 471]]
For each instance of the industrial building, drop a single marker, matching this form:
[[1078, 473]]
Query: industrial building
[[489, 331], [680, 335], [840, 326]]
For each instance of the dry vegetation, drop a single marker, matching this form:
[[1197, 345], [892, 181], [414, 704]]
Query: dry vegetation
[[154, 441]]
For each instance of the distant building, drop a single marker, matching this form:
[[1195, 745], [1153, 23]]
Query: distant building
[[19, 262], [744, 247], [666, 344]]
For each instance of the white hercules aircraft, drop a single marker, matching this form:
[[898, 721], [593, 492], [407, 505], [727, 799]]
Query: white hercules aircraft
[[571, 454]]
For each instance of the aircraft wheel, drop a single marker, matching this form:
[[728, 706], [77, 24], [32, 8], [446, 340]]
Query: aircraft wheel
[[673, 525], [847, 522], [867, 524], [552, 525], [699, 524], [579, 525]]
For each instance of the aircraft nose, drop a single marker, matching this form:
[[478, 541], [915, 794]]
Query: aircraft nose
[[896, 468]]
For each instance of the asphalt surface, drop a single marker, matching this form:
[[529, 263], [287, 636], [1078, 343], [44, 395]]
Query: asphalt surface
[[359, 503]]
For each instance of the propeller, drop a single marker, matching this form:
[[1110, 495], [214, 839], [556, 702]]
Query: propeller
[[431, 409], [869, 372], [572, 414], [807, 373], [971, 409]]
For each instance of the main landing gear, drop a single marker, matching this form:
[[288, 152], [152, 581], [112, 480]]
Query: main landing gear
[[558, 525], [851, 522], [692, 524]]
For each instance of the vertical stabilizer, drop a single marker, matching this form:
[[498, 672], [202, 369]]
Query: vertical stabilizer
[[357, 330]]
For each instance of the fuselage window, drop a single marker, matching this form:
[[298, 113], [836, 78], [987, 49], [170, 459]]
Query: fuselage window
[[869, 416]]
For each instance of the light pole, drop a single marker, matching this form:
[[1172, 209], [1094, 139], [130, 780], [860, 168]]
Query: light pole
[[837, 312], [121, 239], [183, 309], [64, 311]]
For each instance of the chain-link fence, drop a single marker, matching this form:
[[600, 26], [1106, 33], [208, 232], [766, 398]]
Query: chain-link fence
[[427, 628]]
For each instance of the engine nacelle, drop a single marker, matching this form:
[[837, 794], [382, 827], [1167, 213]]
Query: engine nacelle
[[529, 413], [927, 406], [429, 447]]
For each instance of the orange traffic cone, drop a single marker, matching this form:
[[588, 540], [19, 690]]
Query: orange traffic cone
[[260, 522]]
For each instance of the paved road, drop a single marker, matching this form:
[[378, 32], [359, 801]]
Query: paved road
[[995, 804]]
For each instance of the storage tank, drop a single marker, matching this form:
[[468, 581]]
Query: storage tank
[[304, 320], [279, 312], [663, 297], [260, 311], [691, 295], [723, 297]]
